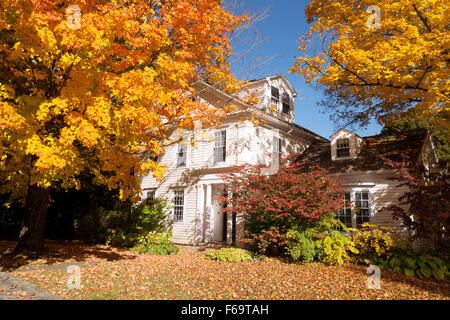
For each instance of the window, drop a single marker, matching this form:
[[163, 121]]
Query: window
[[345, 215], [178, 205], [151, 195], [220, 146], [286, 103], [181, 155], [355, 217], [342, 148], [362, 208], [275, 95]]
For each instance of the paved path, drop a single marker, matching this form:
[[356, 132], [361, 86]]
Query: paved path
[[17, 289]]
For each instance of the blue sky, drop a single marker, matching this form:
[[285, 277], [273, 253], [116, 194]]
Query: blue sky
[[282, 28]]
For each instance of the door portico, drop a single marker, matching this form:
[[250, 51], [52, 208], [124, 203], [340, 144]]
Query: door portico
[[213, 225]]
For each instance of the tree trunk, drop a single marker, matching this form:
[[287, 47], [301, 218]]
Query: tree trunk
[[31, 236]]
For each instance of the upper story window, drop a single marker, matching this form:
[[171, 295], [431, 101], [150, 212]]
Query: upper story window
[[181, 155], [220, 146], [342, 148], [275, 95], [286, 103]]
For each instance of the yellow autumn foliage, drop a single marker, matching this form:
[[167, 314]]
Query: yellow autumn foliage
[[378, 59]]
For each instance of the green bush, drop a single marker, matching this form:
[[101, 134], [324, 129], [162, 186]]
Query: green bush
[[156, 243], [123, 225], [229, 254], [414, 262], [322, 242], [300, 246]]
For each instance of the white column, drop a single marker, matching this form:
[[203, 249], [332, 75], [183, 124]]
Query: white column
[[229, 219], [209, 210], [200, 237]]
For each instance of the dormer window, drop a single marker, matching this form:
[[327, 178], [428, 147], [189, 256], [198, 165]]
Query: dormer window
[[342, 148], [275, 95], [286, 103]]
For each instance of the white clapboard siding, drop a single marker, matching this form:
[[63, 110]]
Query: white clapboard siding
[[383, 192], [246, 144]]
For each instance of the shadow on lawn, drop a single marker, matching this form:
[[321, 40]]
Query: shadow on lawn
[[61, 251], [431, 285]]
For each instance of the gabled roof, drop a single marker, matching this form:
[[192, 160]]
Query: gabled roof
[[392, 146], [342, 129], [244, 107], [280, 75]]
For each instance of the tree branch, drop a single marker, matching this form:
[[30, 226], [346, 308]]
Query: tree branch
[[424, 20]]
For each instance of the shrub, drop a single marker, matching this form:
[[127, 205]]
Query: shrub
[[95, 225], [300, 246], [335, 248], [268, 241], [123, 225], [273, 204], [156, 243], [229, 254], [414, 262], [373, 242]]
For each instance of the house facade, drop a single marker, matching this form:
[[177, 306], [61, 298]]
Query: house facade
[[192, 181], [369, 182]]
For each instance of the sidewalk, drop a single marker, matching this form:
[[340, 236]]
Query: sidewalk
[[17, 289]]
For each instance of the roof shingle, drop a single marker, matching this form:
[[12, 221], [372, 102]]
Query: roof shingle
[[392, 146]]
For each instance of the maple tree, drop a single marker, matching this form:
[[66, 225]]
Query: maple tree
[[378, 59], [96, 86]]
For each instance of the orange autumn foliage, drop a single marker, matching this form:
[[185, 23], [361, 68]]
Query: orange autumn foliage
[[97, 86]]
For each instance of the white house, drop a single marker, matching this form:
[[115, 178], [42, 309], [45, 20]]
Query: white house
[[192, 182]]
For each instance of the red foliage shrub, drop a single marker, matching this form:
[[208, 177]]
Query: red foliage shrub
[[272, 204]]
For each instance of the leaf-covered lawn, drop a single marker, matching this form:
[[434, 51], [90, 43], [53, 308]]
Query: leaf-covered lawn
[[188, 275]]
